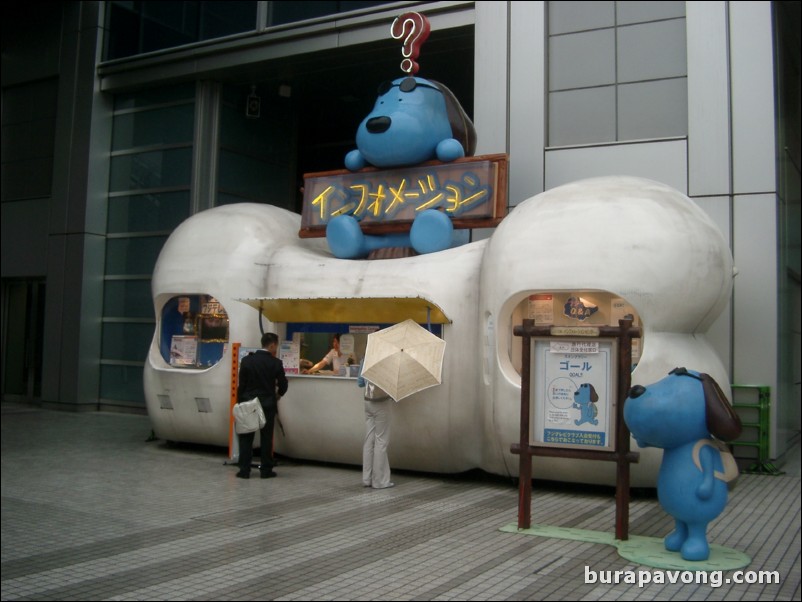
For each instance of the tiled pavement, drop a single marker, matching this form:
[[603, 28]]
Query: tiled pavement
[[91, 510]]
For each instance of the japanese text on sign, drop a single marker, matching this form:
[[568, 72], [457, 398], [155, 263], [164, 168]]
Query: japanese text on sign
[[574, 347], [573, 392], [467, 189], [573, 437], [386, 200]]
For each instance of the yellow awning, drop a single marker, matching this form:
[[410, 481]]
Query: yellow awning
[[363, 310]]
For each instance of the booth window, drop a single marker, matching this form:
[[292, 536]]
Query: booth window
[[308, 342], [193, 331], [570, 308]]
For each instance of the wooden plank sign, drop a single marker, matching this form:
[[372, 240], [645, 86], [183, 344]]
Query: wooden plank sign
[[471, 190]]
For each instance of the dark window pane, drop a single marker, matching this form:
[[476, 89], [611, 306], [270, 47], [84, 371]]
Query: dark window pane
[[137, 27], [154, 96], [127, 299], [126, 342], [168, 24], [290, 11], [158, 169], [123, 383], [220, 19], [122, 29], [133, 255], [168, 125], [150, 212]]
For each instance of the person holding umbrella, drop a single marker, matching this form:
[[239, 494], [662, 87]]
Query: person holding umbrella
[[375, 464], [399, 361]]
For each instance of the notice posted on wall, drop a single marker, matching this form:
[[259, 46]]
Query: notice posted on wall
[[183, 351], [290, 355], [573, 393], [541, 308], [620, 309]]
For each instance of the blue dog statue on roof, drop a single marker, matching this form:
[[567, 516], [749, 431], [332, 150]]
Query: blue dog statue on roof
[[414, 120], [687, 414]]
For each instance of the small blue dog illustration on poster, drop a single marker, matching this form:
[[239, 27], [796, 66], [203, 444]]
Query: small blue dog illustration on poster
[[585, 399]]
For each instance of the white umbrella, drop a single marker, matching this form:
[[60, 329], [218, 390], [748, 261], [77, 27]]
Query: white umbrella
[[404, 359]]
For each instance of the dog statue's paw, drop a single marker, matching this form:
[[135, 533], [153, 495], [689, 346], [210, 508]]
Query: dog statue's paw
[[345, 238], [705, 489], [674, 540], [695, 548], [449, 149], [355, 160], [431, 232]]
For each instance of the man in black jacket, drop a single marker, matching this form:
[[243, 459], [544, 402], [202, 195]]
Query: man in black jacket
[[261, 375]]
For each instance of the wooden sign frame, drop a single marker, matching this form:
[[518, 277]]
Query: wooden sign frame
[[621, 455]]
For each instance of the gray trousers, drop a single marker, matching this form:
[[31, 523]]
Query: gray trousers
[[375, 465]]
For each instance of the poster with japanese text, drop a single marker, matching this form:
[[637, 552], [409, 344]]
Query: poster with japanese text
[[290, 355], [573, 392], [183, 351], [541, 308]]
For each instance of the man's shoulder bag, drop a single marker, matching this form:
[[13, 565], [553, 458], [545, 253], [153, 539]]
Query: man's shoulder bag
[[248, 416]]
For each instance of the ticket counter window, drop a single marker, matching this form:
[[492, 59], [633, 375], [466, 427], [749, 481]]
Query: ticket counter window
[[311, 347], [331, 352], [308, 343], [194, 331]]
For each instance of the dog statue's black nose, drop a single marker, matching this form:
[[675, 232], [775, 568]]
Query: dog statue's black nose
[[637, 391], [377, 125]]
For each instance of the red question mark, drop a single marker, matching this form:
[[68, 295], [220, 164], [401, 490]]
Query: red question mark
[[414, 29]]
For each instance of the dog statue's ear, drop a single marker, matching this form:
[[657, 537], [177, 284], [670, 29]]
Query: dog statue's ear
[[462, 128], [594, 397], [722, 421]]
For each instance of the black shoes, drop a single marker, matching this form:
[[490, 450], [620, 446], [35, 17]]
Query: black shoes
[[264, 475]]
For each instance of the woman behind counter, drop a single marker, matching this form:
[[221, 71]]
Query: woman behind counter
[[333, 357]]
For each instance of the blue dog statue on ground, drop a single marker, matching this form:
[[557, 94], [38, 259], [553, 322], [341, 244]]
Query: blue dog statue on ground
[[585, 398], [414, 120], [679, 413]]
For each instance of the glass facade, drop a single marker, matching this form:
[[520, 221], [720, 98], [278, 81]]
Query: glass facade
[[616, 71], [149, 195], [139, 27], [290, 12], [789, 185], [256, 154]]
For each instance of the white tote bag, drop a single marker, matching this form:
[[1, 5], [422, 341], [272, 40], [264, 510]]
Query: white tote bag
[[248, 416]]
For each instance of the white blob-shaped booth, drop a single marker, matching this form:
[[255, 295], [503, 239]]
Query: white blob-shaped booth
[[609, 238], [212, 258], [609, 241]]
